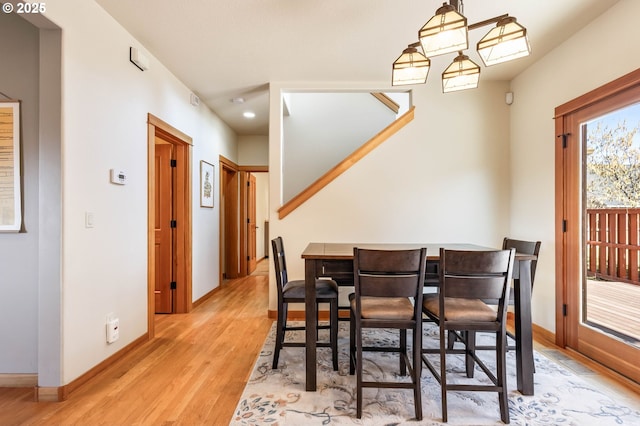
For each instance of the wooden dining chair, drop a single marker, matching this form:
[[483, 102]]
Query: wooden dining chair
[[466, 279], [293, 291], [388, 294], [524, 247]]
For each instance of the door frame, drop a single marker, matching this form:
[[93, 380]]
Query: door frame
[[569, 224], [238, 209], [183, 234]]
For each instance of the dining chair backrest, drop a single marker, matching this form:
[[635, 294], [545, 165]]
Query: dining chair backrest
[[389, 273], [280, 264], [385, 281], [467, 278], [524, 247], [472, 274]]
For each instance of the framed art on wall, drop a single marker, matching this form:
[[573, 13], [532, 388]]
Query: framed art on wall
[[10, 191], [206, 184]]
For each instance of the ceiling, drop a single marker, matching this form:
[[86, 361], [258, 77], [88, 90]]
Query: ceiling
[[225, 49]]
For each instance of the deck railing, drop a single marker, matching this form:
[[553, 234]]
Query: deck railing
[[613, 244]]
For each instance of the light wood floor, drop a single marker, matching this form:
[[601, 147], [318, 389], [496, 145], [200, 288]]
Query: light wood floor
[[615, 305], [192, 373], [195, 370]]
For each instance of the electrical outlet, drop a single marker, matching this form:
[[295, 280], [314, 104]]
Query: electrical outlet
[[113, 328]]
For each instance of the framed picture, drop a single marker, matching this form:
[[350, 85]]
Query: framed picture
[[10, 191], [206, 184]]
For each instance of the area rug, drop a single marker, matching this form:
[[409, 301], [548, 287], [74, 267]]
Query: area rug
[[277, 397]]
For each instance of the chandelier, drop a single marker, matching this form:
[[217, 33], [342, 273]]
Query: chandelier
[[447, 32]]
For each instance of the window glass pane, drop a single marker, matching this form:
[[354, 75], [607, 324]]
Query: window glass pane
[[611, 294]]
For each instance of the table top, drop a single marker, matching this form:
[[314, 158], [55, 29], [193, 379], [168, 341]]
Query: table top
[[345, 250]]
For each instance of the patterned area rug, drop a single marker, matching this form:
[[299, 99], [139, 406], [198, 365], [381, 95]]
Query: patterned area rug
[[277, 397]]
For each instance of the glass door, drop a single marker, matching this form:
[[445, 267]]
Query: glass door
[[611, 173], [600, 240]]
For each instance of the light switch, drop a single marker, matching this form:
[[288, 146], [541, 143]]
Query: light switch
[[88, 220]]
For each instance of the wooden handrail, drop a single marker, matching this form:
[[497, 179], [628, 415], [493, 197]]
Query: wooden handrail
[[345, 164], [387, 101]]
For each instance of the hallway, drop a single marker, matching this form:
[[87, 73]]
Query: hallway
[[193, 372]]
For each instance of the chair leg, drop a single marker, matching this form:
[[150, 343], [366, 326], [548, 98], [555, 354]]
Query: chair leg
[[501, 344], [359, 374], [443, 375], [451, 339], [470, 337], [317, 321], [280, 326], [417, 371], [352, 343], [403, 351], [333, 336]]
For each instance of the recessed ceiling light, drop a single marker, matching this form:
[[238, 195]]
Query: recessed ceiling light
[[249, 114]]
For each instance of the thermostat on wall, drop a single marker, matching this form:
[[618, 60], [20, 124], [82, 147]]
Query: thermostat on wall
[[119, 177]]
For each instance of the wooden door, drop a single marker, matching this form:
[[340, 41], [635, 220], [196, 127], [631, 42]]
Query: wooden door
[[229, 226], [586, 321], [251, 224], [163, 229]]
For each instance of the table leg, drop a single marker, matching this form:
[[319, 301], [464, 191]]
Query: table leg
[[310, 322], [524, 334]]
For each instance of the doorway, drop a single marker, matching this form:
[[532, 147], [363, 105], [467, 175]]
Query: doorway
[[597, 231], [238, 224], [169, 220]]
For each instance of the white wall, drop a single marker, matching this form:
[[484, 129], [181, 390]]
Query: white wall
[[603, 51], [253, 150], [444, 177], [324, 128], [19, 68], [50, 210], [105, 104]]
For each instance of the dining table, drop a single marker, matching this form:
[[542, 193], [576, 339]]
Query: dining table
[[335, 261]]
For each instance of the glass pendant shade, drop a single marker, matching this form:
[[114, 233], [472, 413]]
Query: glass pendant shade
[[411, 67], [507, 41], [445, 32], [462, 74]]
